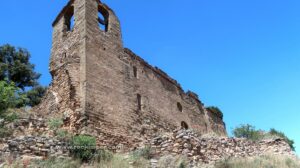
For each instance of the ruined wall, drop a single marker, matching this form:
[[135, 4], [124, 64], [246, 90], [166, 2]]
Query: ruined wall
[[213, 149], [101, 88], [117, 79], [64, 96], [178, 143]]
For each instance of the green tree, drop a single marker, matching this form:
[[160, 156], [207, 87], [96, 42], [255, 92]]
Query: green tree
[[247, 131], [35, 95], [274, 132], [10, 96], [15, 66]]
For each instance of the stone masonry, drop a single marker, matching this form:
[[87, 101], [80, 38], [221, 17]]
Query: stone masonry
[[101, 88]]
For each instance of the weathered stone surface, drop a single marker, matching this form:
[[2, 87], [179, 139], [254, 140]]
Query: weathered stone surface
[[33, 146], [99, 84], [102, 89], [212, 149]]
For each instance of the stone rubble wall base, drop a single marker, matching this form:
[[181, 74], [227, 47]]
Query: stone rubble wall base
[[180, 142], [213, 149]]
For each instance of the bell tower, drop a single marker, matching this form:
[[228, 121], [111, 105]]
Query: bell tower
[[103, 89], [84, 31]]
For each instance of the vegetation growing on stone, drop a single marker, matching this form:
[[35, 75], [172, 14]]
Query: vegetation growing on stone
[[63, 135], [143, 152], [280, 134], [215, 110], [83, 147], [251, 133], [5, 132], [55, 123]]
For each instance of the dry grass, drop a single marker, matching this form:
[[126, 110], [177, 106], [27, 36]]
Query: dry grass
[[49, 163], [268, 161], [128, 161], [172, 162]]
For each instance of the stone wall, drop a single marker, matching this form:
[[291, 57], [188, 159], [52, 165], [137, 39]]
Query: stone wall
[[34, 146], [31, 137], [65, 96], [207, 150], [213, 149], [101, 88]]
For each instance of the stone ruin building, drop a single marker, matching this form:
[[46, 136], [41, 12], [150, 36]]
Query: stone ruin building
[[101, 88], [104, 90]]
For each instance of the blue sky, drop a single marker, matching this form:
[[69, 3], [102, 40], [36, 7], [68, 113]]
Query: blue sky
[[242, 56]]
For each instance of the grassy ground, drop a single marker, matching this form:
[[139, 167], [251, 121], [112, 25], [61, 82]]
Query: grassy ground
[[131, 161], [268, 161]]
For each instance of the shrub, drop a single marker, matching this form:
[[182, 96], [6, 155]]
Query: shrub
[[143, 152], [11, 117], [248, 131], [55, 123], [102, 156], [83, 147], [63, 135], [5, 132], [274, 132]]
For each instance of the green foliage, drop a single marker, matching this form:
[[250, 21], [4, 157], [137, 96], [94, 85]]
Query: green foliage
[[5, 132], [10, 96], [143, 152], [182, 165], [248, 131], [102, 156], [17, 71], [83, 147], [215, 110], [55, 123], [7, 96], [15, 66], [268, 161], [35, 95], [63, 135], [11, 117], [274, 132]]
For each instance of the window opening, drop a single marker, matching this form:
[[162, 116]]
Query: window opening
[[102, 19], [139, 101], [135, 72], [179, 106], [70, 19], [184, 125]]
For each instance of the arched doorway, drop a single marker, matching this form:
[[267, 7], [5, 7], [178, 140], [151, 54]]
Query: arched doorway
[[184, 125]]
